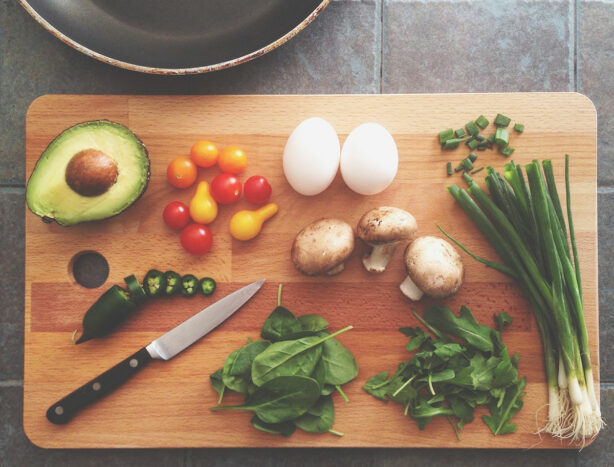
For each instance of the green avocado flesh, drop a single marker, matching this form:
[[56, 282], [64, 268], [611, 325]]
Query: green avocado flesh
[[49, 195]]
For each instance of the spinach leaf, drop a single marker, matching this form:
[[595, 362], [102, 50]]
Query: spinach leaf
[[464, 327], [283, 428], [280, 325], [217, 383], [296, 357], [339, 364], [319, 418], [237, 367], [280, 399], [313, 323], [327, 389]]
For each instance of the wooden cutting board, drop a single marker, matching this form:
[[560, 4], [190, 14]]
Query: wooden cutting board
[[167, 404]]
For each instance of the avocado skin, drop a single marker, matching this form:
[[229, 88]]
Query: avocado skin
[[94, 124]]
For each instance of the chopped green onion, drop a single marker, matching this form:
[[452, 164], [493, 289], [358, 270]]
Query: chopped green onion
[[483, 146], [453, 143], [460, 133], [481, 138], [467, 164], [473, 156], [477, 170], [482, 121], [502, 137], [445, 135], [459, 168], [491, 138], [449, 168], [474, 143], [507, 151], [472, 128], [518, 127], [502, 120]]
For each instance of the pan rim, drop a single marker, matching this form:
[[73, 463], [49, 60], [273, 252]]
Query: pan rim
[[174, 71]]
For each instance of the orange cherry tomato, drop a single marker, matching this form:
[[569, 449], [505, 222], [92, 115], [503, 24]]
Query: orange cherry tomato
[[181, 172], [232, 160], [204, 153]]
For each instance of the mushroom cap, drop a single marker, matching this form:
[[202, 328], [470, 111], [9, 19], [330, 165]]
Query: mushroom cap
[[322, 246], [435, 266], [386, 225]]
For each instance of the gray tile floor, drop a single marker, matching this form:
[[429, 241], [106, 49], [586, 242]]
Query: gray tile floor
[[367, 46]]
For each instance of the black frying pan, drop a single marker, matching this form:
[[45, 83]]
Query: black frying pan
[[174, 36]]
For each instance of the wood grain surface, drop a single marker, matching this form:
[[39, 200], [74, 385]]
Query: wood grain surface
[[167, 404]]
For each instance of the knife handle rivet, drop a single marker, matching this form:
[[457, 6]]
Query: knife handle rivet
[[59, 410], [96, 386], [133, 363]]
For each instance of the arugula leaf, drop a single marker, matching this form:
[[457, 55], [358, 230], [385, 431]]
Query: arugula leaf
[[502, 320], [500, 415], [464, 327], [376, 386]]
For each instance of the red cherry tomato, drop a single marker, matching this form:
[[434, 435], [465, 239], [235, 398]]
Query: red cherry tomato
[[176, 215], [257, 190], [196, 239], [226, 188]]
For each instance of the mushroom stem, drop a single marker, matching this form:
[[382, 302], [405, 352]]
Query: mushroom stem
[[336, 270], [411, 290], [379, 257]]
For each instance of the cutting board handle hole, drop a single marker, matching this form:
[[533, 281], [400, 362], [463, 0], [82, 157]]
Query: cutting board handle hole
[[89, 269]]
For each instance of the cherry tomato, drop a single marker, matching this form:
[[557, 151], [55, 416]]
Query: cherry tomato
[[257, 190], [176, 215], [204, 153], [181, 172], [232, 160], [226, 188], [196, 239]]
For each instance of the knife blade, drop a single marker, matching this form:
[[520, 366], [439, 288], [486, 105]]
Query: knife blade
[[164, 347]]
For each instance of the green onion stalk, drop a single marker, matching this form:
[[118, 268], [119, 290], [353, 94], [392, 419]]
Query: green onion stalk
[[523, 220]]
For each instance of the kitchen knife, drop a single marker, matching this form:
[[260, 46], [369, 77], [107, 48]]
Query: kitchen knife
[[164, 347]]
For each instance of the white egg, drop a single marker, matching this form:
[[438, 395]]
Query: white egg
[[369, 159], [311, 156]]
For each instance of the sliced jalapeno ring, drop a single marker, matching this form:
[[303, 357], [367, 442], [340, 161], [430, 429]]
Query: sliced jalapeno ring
[[207, 286], [189, 285], [173, 283], [137, 294], [154, 283]]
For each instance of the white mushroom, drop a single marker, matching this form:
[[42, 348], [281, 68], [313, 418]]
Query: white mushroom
[[434, 268], [383, 229], [322, 247]]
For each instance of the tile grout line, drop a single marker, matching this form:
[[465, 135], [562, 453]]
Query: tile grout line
[[381, 46]]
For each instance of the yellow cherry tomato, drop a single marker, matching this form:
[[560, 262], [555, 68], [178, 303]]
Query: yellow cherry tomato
[[204, 153], [245, 225], [232, 160], [203, 208]]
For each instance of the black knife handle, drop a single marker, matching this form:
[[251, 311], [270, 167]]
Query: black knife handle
[[63, 410]]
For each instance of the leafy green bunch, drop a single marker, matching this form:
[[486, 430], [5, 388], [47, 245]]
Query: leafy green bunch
[[465, 365], [289, 375]]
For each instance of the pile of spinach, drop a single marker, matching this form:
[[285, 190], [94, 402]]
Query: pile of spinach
[[289, 375], [465, 365]]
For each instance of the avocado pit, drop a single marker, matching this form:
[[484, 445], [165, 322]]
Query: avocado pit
[[91, 172]]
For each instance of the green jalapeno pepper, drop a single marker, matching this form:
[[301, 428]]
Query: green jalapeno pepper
[[106, 313], [206, 286], [189, 285], [173, 283], [154, 283], [137, 294]]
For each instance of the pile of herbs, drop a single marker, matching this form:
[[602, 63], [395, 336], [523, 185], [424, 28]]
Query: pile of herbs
[[523, 220], [289, 375], [461, 366]]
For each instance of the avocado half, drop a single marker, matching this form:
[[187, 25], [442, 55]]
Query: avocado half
[[90, 171]]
